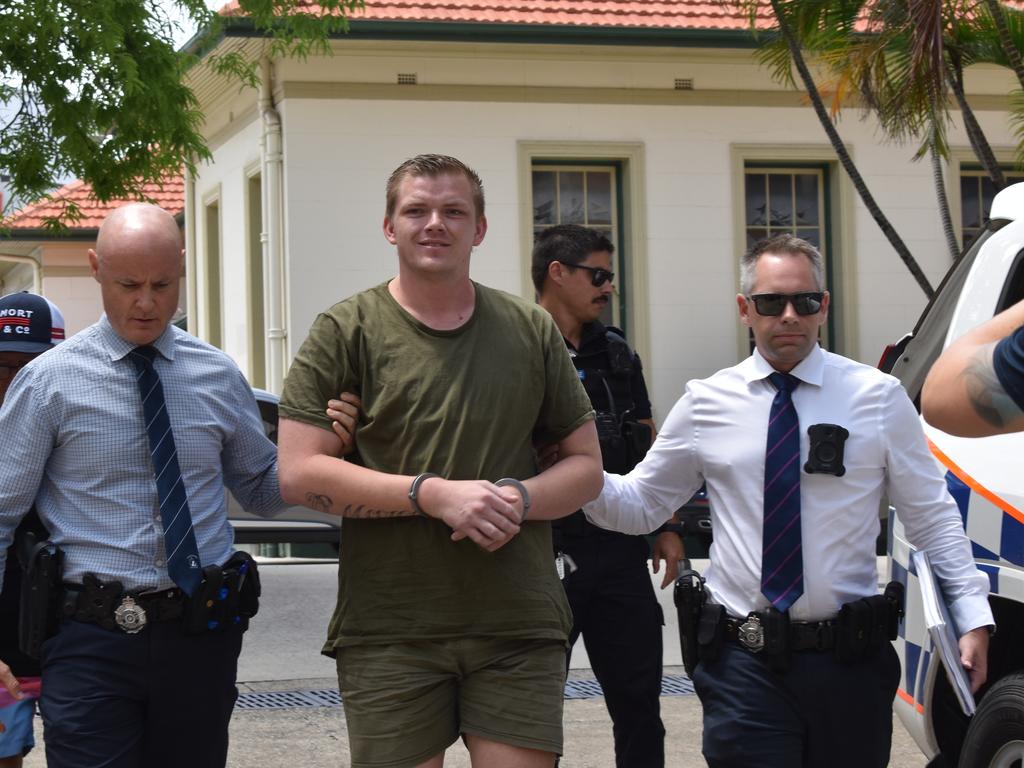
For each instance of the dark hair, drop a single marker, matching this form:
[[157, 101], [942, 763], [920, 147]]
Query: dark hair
[[570, 244], [431, 166], [787, 244]]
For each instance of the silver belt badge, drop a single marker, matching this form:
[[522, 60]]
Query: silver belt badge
[[130, 616], [751, 634]]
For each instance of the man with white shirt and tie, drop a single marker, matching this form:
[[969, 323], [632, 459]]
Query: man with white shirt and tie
[[797, 447], [127, 435]]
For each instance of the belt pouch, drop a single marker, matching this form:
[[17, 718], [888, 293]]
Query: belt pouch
[[776, 637], [42, 564], [894, 597], [853, 631], [96, 602], [879, 621], [776, 631], [711, 631], [199, 606], [247, 584]]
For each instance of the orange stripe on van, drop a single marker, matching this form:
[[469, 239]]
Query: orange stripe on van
[[910, 700], [975, 486]]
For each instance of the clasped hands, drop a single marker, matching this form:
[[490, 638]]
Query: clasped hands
[[477, 510]]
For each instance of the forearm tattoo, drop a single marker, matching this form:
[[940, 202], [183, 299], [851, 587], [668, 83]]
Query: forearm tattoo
[[362, 511], [987, 396], [319, 502], [323, 503]]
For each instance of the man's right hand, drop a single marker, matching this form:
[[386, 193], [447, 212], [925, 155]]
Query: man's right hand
[[344, 416], [478, 510], [10, 682]]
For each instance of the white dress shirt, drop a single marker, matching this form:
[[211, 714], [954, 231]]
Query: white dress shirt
[[716, 433]]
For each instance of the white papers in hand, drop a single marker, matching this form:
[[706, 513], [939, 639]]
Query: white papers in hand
[[943, 631]]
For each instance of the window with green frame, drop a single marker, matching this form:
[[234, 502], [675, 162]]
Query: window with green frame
[[789, 198], [588, 194], [976, 193]]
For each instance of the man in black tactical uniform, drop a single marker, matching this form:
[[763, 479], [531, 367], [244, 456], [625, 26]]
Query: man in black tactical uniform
[[605, 573]]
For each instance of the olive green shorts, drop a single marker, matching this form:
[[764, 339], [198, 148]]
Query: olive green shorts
[[406, 702]]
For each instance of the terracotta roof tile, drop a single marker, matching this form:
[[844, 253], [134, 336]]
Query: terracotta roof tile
[[666, 14], [169, 195]]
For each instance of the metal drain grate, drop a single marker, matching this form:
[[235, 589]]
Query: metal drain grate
[[676, 686], [330, 697], [583, 689]]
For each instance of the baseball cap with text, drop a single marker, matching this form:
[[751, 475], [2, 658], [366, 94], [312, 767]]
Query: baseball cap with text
[[29, 323]]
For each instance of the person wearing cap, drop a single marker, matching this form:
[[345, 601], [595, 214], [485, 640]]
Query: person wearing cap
[[29, 326], [127, 435]]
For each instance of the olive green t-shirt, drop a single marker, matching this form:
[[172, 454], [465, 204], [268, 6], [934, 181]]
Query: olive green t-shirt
[[470, 403]]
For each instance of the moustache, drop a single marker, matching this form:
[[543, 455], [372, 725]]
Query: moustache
[[601, 300]]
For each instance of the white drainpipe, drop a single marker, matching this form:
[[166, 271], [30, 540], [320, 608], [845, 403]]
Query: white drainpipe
[[274, 273], [191, 262]]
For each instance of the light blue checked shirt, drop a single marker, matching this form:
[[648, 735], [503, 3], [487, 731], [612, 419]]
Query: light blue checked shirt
[[74, 443]]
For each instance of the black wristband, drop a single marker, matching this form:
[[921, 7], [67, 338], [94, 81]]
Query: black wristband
[[414, 491]]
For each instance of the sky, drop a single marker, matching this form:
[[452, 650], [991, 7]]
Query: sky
[[187, 30]]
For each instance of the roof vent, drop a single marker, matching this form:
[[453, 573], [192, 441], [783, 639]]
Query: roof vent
[[684, 84], [407, 78]]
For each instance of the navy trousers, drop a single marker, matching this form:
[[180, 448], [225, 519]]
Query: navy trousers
[[617, 612], [157, 698], [817, 714]]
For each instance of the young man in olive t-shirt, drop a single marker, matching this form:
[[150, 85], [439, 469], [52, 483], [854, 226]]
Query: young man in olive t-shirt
[[450, 617]]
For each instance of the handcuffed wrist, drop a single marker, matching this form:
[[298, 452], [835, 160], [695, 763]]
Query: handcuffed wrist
[[525, 494], [414, 491]]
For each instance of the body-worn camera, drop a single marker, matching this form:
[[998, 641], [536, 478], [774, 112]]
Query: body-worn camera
[[825, 455]]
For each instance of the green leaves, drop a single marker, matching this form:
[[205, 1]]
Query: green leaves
[[94, 89]]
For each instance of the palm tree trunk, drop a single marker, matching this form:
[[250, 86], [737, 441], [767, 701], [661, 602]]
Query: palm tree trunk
[[1005, 40], [940, 192], [844, 157], [980, 145]]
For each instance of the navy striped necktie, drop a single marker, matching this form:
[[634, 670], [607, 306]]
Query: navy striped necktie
[[782, 566], [183, 563]]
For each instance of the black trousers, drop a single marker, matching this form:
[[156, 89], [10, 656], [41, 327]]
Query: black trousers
[[615, 609], [817, 714], [154, 699]]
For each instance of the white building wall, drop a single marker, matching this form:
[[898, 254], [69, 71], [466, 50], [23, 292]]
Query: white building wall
[[226, 180], [338, 154], [345, 128], [78, 298]]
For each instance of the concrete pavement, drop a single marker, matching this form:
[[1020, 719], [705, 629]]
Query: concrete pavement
[[281, 653]]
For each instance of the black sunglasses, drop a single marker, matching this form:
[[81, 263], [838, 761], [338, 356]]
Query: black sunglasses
[[598, 275], [774, 304]]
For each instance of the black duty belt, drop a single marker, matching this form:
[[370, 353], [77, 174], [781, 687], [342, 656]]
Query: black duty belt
[[803, 635], [111, 608]]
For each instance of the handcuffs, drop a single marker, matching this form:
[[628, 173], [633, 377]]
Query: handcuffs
[[414, 491]]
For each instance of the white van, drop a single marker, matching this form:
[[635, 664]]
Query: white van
[[986, 477]]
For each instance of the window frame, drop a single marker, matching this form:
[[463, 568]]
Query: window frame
[[631, 212], [824, 171], [621, 288], [974, 170], [212, 322], [841, 264]]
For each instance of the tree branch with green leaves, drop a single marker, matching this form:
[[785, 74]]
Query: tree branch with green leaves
[[95, 89]]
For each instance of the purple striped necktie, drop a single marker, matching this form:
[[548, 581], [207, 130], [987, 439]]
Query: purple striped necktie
[[782, 566]]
